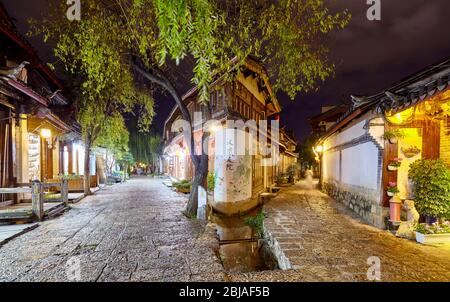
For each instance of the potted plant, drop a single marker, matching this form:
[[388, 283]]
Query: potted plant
[[183, 186], [435, 233], [395, 164], [392, 189], [393, 136], [411, 151], [279, 180], [431, 179]]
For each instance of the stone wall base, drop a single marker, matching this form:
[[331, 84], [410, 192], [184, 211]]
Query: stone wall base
[[368, 210], [276, 251]]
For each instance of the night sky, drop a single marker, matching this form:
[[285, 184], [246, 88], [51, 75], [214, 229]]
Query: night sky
[[369, 55]]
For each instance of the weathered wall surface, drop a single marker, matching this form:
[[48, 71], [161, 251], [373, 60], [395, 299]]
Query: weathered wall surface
[[352, 168]]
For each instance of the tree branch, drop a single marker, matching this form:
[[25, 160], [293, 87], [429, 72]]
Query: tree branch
[[164, 82]]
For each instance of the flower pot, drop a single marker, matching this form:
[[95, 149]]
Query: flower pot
[[390, 194], [432, 238], [393, 140], [392, 168]]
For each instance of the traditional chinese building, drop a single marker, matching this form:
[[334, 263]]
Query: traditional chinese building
[[240, 179], [39, 137], [356, 156], [327, 117]]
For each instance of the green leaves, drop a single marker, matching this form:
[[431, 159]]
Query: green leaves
[[189, 27], [114, 135], [288, 35], [95, 52], [432, 187], [146, 146], [257, 223]]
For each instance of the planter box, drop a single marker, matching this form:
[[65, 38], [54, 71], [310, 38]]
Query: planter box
[[432, 238], [183, 190]]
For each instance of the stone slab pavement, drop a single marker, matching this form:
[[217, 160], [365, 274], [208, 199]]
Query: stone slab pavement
[[324, 241], [133, 231], [8, 232]]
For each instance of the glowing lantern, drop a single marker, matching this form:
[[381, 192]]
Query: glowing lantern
[[46, 133]]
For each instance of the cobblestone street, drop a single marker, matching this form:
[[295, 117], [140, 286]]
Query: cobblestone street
[[135, 232], [127, 232], [325, 242]]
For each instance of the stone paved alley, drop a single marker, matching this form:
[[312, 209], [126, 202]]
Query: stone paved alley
[[135, 231], [131, 231], [324, 241]]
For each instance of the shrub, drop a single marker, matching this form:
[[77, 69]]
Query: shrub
[[257, 223], [435, 228], [431, 180], [211, 181], [183, 184]]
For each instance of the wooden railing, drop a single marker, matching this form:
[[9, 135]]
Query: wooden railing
[[77, 184], [37, 190]]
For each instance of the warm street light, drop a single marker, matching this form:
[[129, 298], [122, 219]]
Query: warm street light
[[318, 151], [46, 133]]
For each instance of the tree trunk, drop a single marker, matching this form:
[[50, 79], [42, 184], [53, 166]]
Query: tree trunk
[[125, 170], [201, 173], [87, 166], [200, 163]]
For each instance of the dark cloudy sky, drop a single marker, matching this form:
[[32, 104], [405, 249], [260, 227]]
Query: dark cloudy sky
[[369, 55]]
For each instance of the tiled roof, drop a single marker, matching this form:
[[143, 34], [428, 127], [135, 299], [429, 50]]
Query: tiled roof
[[406, 93]]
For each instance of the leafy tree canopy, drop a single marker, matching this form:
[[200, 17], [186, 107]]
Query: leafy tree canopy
[[115, 39], [114, 135], [289, 35], [146, 147]]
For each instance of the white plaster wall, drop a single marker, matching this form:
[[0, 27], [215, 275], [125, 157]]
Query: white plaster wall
[[331, 166], [233, 172], [346, 135], [355, 168], [360, 166], [376, 130]]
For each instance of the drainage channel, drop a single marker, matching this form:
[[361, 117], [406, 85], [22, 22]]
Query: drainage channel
[[240, 249]]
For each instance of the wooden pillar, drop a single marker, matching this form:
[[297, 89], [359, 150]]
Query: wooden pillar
[[49, 161], [61, 157], [65, 191], [70, 158], [390, 152], [431, 140], [43, 158], [23, 175], [37, 200]]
